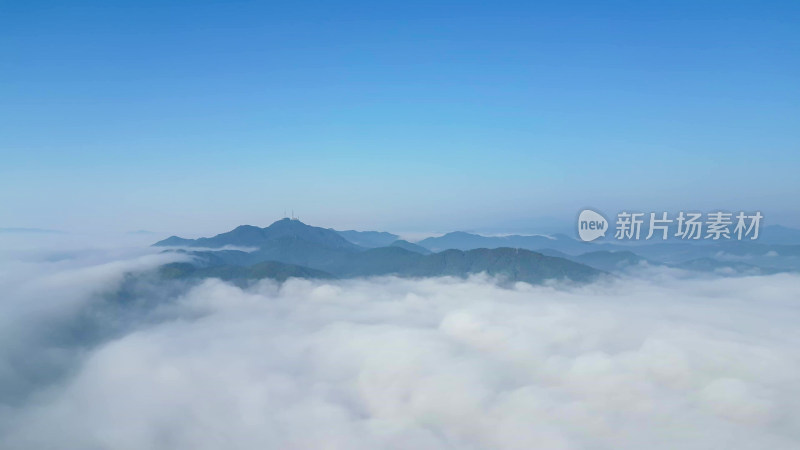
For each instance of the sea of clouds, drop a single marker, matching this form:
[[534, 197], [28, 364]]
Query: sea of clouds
[[660, 360]]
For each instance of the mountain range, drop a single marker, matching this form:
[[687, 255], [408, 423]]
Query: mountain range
[[290, 248], [293, 248]]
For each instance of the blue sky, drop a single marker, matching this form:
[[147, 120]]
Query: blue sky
[[194, 117]]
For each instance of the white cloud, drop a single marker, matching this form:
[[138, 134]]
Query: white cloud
[[633, 363], [51, 305]]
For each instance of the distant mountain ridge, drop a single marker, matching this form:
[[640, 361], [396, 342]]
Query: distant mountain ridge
[[368, 239], [252, 236], [331, 253], [461, 240], [611, 261], [293, 248], [411, 247], [267, 269], [509, 264]]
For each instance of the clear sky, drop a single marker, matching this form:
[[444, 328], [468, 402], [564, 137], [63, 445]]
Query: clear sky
[[196, 116]]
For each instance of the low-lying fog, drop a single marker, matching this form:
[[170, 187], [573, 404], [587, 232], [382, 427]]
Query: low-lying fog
[[96, 352]]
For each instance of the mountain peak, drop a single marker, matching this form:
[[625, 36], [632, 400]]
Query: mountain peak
[[252, 236], [287, 222]]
